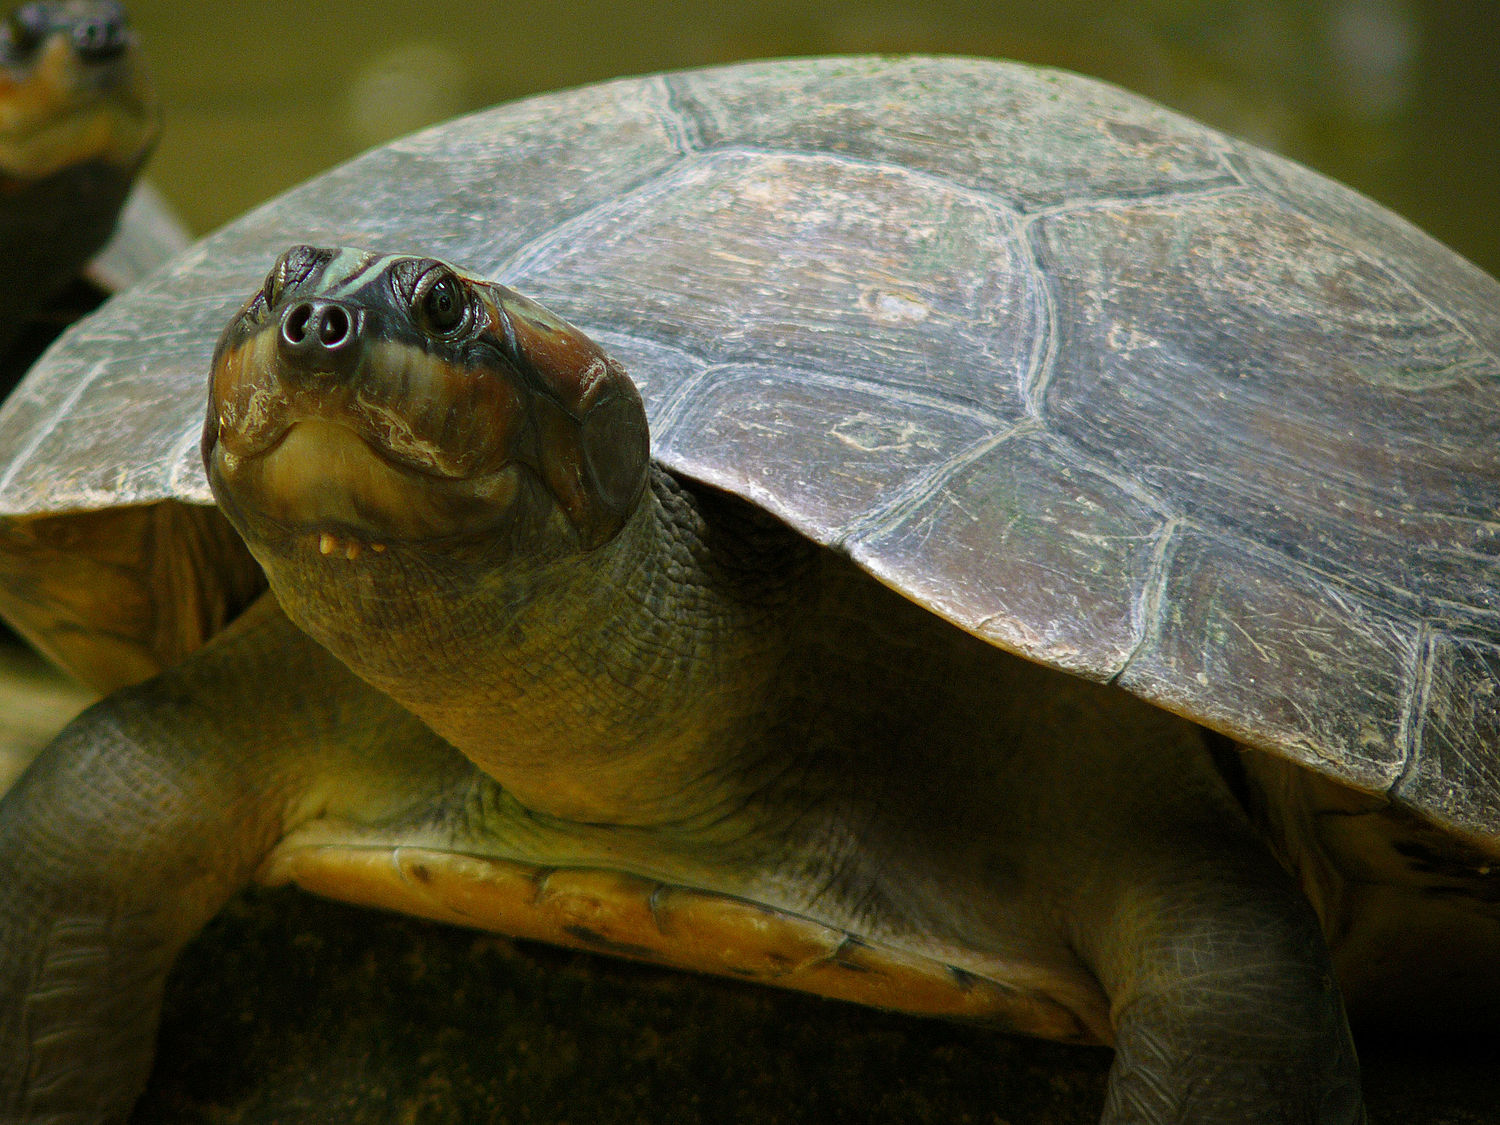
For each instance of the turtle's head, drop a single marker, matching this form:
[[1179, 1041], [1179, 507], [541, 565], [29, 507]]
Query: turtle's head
[[361, 403], [73, 92]]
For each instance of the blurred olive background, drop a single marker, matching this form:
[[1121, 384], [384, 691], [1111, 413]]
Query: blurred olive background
[[1397, 97]]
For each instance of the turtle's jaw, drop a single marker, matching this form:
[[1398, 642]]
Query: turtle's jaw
[[321, 488]]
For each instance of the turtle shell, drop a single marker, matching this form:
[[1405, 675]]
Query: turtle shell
[[1092, 381]]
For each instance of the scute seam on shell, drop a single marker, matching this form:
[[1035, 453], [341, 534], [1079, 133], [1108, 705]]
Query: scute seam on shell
[[1247, 164], [1147, 611], [1043, 358], [915, 493], [1419, 673], [1453, 774], [685, 128]]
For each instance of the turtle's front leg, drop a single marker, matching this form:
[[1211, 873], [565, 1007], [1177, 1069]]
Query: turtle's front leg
[[107, 866], [132, 829], [115, 847]]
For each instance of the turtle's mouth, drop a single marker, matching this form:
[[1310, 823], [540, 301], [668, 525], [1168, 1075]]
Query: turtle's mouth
[[323, 487]]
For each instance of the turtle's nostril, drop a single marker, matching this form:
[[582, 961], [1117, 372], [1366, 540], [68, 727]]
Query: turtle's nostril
[[333, 327], [320, 337], [294, 324]]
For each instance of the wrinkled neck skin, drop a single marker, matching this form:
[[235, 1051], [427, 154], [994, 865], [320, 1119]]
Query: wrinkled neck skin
[[610, 687]]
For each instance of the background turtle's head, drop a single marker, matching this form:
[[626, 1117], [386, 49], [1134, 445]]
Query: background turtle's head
[[73, 92], [77, 120], [363, 402]]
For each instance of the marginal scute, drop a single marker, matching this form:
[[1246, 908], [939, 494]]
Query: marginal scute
[[630, 916], [1455, 770], [1266, 651], [844, 452]]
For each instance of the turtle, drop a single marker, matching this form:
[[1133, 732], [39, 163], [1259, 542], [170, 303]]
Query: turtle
[[935, 533], [78, 117]]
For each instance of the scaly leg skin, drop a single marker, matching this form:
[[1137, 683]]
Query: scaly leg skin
[[134, 827], [1219, 983], [1223, 1000]]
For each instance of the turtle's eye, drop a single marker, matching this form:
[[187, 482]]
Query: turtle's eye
[[443, 304], [275, 283], [26, 28], [291, 269]]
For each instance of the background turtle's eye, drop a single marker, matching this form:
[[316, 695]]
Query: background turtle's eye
[[25, 29], [443, 305]]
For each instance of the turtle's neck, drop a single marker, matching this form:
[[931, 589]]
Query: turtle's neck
[[610, 687]]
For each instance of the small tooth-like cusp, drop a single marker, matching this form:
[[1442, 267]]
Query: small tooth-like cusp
[[331, 546]]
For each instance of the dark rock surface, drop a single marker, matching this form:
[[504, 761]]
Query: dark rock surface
[[293, 1010]]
